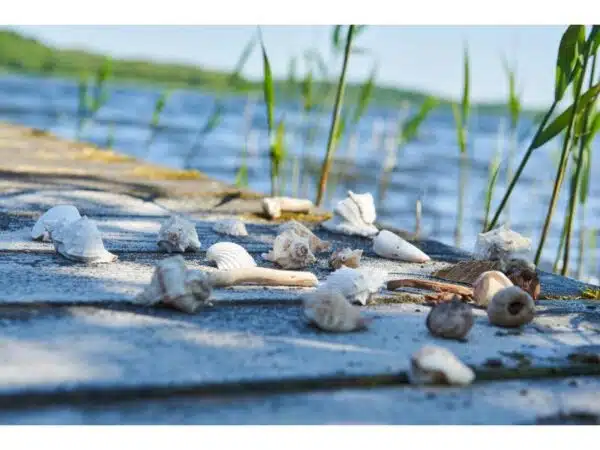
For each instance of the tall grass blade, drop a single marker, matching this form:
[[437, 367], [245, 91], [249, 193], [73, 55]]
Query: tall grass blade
[[410, 128], [465, 103], [277, 156], [566, 61], [493, 171], [364, 96]]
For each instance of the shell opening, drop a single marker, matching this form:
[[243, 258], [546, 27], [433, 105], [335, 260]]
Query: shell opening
[[515, 307]]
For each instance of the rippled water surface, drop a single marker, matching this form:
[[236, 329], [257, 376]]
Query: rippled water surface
[[427, 170]]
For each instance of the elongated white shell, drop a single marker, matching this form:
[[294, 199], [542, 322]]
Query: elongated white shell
[[232, 227], [437, 365], [392, 246], [275, 206], [228, 255], [356, 285], [329, 311], [60, 213], [500, 244], [316, 245], [81, 241], [290, 251], [178, 235], [355, 215]]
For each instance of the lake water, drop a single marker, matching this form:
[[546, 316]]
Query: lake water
[[426, 170]]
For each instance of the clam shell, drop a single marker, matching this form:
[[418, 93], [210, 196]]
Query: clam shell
[[178, 235], [500, 244], [328, 310], [345, 257], [392, 246], [228, 255], [232, 227], [356, 285], [487, 285], [81, 241], [316, 245], [437, 365], [58, 214], [290, 251]]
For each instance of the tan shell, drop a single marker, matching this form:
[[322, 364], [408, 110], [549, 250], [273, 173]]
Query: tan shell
[[436, 365], [316, 244], [330, 311], [450, 320], [487, 285], [523, 274], [290, 251], [511, 307], [275, 206], [345, 257]]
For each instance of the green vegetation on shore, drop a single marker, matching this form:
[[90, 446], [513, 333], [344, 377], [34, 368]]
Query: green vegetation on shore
[[22, 54]]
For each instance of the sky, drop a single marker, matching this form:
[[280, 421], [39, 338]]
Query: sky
[[427, 58]]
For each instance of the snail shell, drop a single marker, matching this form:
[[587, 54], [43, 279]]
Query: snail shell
[[330, 311], [511, 307], [390, 245], [58, 214], [178, 235], [345, 257], [290, 251], [316, 244], [228, 255], [356, 285], [232, 227], [81, 241], [487, 285], [437, 365], [450, 320], [523, 274]]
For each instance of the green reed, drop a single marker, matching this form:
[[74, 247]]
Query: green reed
[[92, 95], [493, 171], [159, 106]]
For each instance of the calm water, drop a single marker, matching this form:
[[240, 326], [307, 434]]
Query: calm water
[[427, 170]]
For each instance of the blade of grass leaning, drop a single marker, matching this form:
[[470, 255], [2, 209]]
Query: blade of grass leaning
[[277, 156], [269, 97], [335, 118], [82, 103], [159, 106], [409, 129], [364, 96], [493, 171]]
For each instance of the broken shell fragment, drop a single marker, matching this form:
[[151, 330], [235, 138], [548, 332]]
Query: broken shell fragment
[[290, 251], [389, 245], [62, 214], [437, 365], [328, 310], [500, 244], [228, 255], [178, 235], [345, 257], [262, 276], [523, 274], [487, 285], [232, 227], [174, 286], [81, 241], [511, 307], [275, 206], [316, 245], [356, 285], [355, 215], [450, 320]]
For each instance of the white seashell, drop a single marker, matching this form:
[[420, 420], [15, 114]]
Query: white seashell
[[290, 251], [228, 255], [57, 214], [390, 245], [511, 307], [345, 257], [487, 285], [81, 241], [437, 365], [316, 244], [355, 215], [173, 285], [178, 235], [274, 206], [500, 244], [329, 311], [356, 285], [232, 227]]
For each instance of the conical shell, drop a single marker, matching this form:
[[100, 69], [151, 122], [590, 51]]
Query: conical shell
[[231, 227], [316, 244], [389, 245], [290, 251], [228, 255], [500, 244], [178, 235], [355, 215], [58, 214], [356, 285], [345, 257], [81, 241], [437, 365], [487, 285], [329, 311]]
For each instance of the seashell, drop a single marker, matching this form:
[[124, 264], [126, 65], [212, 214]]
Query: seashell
[[178, 235], [227, 255], [316, 244], [174, 286], [232, 227], [390, 245], [523, 274], [436, 365], [81, 241], [511, 307], [275, 206], [356, 285], [500, 244], [290, 251], [450, 320], [329, 311], [355, 215], [58, 214], [345, 257], [487, 285]]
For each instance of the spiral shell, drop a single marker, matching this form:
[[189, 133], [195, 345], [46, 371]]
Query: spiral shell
[[232, 227], [437, 365], [511, 307], [316, 245], [345, 257], [290, 251], [355, 215], [228, 255], [389, 245], [329, 311], [81, 241], [178, 235], [60, 214], [356, 285], [487, 285], [450, 320]]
